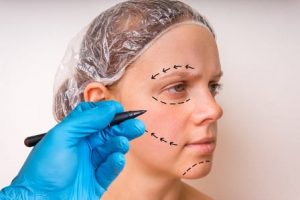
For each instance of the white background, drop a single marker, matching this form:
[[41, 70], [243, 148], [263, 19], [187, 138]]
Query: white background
[[259, 135]]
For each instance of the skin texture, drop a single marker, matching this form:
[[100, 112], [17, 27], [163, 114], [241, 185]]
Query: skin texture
[[154, 168]]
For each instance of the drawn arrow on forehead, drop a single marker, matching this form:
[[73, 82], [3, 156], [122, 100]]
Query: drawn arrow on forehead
[[153, 76], [165, 70], [177, 66], [189, 67], [162, 140]]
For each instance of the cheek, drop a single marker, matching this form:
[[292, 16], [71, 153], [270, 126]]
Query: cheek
[[166, 125], [164, 137], [167, 122]]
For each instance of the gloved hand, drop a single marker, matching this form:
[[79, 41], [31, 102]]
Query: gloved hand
[[78, 158]]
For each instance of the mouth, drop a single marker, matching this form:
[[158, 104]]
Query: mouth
[[204, 146]]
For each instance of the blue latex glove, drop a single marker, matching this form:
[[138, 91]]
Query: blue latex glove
[[78, 158]]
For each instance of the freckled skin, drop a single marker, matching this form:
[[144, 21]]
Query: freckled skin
[[181, 123]]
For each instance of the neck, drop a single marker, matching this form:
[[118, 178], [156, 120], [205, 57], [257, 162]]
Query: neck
[[137, 181]]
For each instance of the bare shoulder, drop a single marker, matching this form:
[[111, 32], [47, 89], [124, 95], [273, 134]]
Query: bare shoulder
[[191, 193]]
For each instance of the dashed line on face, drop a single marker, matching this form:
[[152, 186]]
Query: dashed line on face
[[194, 165], [170, 103], [161, 139]]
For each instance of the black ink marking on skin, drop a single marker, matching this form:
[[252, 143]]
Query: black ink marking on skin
[[153, 76], [177, 66], [172, 103], [165, 70], [146, 131], [189, 67], [162, 139], [154, 98], [153, 134], [172, 143], [194, 165]]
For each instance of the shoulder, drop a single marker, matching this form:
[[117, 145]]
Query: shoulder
[[190, 193]]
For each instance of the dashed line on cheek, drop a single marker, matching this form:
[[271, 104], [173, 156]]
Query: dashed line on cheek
[[162, 139]]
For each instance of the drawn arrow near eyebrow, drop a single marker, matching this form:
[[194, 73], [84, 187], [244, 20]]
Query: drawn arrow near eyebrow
[[189, 67], [172, 143], [153, 76], [162, 140], [165, 70], [152, 134], [177, 66]]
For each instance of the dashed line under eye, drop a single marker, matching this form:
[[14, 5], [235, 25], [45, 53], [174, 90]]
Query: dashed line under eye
[[171, 103]]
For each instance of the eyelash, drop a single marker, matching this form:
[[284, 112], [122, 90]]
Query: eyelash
[[216, 87]]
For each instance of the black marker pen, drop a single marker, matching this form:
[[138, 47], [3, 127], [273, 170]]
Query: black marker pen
[[120, 117]]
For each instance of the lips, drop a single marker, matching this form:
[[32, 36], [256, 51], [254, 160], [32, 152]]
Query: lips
[[204, 146]]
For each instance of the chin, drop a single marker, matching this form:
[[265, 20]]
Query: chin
[[197, 170]]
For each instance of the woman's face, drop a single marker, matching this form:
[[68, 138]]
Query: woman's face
[[176, 81]]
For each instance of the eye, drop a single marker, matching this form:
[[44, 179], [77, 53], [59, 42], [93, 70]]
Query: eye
[[178, 88], [215, 88]]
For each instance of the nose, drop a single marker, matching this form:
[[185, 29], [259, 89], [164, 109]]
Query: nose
[[206, 109]]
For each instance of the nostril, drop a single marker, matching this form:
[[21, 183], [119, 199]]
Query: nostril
[[209, 114], [220, 112], [215, 112], [205, 109]]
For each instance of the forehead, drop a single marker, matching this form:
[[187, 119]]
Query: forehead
[[185, 44]]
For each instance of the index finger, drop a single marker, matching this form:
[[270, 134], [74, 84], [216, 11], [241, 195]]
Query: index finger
[[130, 129]]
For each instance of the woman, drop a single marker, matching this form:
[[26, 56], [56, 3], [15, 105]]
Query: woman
[[160, 56]]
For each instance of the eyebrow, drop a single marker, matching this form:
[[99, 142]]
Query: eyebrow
[[179, 73], [186, 73]]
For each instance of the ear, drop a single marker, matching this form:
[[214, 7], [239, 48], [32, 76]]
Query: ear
[[95, 91]]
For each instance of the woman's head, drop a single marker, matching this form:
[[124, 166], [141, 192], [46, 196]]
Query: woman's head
[[173, 73], [176, 82], [114, 40]]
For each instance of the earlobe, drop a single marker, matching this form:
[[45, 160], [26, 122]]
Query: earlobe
[[96, 91]]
